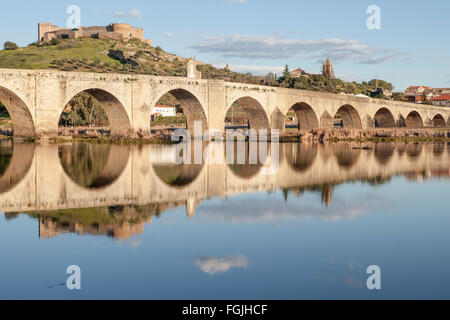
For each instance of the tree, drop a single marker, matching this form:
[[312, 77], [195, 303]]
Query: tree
[[286, 73], [10, 46], [84, 110], [398, 96], [377, 83], [425, 98]]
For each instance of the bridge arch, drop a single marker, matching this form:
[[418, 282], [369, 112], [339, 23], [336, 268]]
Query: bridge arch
[[349, 116], [191, 106], [306, 116], [118, 118], [384, 119], [414, 119], [22, 120], [438, 121], [256, 114]]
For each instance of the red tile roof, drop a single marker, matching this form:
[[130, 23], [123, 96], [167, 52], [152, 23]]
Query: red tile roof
[[417, 87]]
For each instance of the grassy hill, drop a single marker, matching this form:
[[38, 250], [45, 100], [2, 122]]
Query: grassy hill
[[94, 55]]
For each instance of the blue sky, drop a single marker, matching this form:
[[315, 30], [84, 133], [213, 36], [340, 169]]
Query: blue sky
[[259, 36]]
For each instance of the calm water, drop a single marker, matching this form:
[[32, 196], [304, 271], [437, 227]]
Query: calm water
[[141, 227]]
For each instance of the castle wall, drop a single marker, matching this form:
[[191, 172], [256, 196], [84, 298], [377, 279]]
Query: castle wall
[[118, 31]]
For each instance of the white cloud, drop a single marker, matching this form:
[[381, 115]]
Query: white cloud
[[133, 13], [214, 266], [276, 47], [169, 35]]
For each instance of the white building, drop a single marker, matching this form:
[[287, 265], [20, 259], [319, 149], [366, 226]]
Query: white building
[[164, 111]]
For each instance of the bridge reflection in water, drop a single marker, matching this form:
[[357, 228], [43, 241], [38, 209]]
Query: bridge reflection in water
[[114, 190]]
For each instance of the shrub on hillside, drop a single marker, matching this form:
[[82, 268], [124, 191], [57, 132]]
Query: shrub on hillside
[[10, 46]]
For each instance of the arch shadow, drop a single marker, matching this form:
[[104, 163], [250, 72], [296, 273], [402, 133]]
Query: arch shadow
[[414, 119], [257, 116], [174, 175], [345, 155], [115, 111], [306, 116], [300, 156], [23, 125], [384, 153], [191, 106], [350, 117], [439, 121], [384, 119], [414, 150]]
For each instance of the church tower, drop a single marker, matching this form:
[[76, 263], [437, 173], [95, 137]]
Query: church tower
[[327, 70]]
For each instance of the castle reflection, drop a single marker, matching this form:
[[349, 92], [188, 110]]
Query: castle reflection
[[114, 191]]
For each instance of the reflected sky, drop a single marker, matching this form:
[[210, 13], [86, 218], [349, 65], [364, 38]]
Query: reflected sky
[[264, 242]]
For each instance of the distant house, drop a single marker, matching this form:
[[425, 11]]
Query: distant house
[[442, 100], [164, 111], [440, 91], [297, 73]]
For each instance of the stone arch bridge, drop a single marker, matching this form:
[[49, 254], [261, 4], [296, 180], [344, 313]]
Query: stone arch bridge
[[36, 99]]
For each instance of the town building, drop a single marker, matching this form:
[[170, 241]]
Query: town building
[[442, 100], [436, 95], [416, 90], [297, 73], [115, 31]]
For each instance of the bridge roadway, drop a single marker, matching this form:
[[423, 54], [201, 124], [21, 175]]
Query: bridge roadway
[[37, 179], [35, 100]]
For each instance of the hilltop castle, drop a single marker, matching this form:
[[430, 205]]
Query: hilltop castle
[[115, 31]]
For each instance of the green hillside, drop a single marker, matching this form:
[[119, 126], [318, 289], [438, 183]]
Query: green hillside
[[94, 55]]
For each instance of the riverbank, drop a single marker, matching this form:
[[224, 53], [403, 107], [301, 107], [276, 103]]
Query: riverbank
[[369, 135], [319, 135]]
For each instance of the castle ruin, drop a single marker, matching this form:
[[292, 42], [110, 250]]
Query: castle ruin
[[115, 31]]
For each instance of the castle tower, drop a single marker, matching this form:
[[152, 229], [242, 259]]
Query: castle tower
[[328, 70]]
